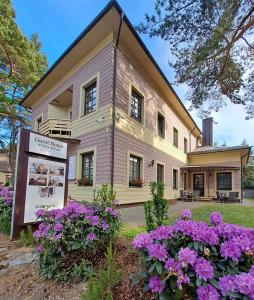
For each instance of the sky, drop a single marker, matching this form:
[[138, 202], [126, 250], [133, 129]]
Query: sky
[[59, 22]]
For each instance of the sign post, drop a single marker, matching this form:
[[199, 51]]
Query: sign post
[[41, 178]]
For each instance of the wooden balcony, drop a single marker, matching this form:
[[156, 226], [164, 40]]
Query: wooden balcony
[[56, 128]]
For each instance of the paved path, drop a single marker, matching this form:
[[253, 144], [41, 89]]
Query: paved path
[[134, 216]]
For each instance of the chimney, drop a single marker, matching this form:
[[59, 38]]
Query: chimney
[[207, 131]]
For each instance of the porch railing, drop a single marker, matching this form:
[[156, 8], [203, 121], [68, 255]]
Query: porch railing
[[56, 128]]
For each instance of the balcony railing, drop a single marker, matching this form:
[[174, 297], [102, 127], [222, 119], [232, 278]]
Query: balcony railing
[[56, 128]]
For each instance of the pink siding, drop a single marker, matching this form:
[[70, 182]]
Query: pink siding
[[103, 63], [101, 139], [125, 143], [126, 73]]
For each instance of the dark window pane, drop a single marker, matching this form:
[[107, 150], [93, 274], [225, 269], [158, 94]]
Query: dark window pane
[[87, 168], [136, 106], [224, 181], [175, 179], [160, 173], [175, 141], [134, 171], [185, 145], [161, 125], [90, 98]]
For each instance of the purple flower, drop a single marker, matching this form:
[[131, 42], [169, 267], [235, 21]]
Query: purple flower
[[216, 218], [230, 249], [187, 256], [186, 214], [157, 251], [142, 240], [162, 233], [91, 237], [204, 269], [156, 284], [104, 225], [208, 293], [171, 265], [40, 213], [58, 227], [116, 202], [227, 284]]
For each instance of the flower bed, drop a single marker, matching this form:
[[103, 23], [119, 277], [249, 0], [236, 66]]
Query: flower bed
[[6, 201], [69, 239], [194, 259]]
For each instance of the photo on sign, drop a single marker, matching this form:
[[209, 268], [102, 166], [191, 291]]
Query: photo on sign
[[46, 192], [40, 180], [56, 181], [38, 168], [56, 170]]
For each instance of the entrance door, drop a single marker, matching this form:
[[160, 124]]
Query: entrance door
[[198, 183]]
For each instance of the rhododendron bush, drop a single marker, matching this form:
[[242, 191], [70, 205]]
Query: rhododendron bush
[[6, 202], [193, 259], [69, 238]]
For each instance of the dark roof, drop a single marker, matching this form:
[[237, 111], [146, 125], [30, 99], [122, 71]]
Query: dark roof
[[112, 3], [208, 149]]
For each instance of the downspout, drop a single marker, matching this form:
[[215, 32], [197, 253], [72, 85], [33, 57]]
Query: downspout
[[242, 157], [114, 103]]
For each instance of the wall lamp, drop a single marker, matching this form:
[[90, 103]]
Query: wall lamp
[[151, 164]]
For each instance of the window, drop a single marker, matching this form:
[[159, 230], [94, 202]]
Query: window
[[160, 173], [161, 126], [224, 181], [175, 137], [38, 123], [175, 179], [185, 178], [185, 145], [90, 98], [135, 179], [70, 115], [136, 106], [87, 168]]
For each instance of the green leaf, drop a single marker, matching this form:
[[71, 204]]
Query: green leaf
[[196, 245], [214, 283], [198, 282]]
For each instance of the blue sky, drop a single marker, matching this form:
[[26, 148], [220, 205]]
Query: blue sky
[[59, 22]]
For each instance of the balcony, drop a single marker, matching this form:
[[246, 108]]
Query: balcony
[[56, 128]]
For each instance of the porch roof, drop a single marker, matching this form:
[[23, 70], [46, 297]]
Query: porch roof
[[208, 168]]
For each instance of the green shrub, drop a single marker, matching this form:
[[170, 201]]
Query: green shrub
[[6, 200], [26, 236], [157, 208], [101, 287]]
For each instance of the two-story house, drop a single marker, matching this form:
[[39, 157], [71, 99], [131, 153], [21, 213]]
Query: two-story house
[[124, 123]]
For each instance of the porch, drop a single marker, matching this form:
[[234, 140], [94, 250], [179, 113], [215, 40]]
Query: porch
[[207, 180]]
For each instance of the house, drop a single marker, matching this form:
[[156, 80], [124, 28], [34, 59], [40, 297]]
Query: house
[[124, 123], [5, 169]]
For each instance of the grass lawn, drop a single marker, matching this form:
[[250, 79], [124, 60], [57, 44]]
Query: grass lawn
[[236, 214]]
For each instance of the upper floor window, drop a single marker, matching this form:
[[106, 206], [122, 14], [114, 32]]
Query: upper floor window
[[175, 137], [161, 125], [136, 106], [135, 179], [185, 145], [87, 168], [38, 123], [224, 181], [175, 179], [90, 98]]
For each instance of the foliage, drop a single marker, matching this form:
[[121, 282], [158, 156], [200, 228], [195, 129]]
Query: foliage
[[26, 236], [101, 286], [248, 177], [212, 47], [76, 232], [157, 208], [130, 231], [195, 260], [21, 66], [6, 201]]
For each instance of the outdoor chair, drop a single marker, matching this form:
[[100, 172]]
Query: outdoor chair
[[181, 198], [195, 195], [233, 197], [186, 196]]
